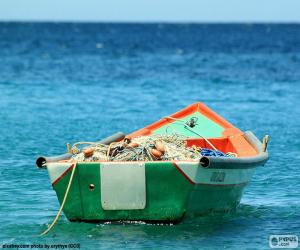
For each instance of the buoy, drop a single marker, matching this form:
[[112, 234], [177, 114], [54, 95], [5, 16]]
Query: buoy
[[156, 153], [133, 145], [88, 152], [160, 146]]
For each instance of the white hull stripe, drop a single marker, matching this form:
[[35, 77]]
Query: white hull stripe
[[190, 170], [210, 176]]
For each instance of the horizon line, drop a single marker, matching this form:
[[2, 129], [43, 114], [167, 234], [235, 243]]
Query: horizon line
[[151, 22]]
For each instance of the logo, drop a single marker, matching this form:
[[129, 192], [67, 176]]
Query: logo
[[217, 177], [283, 241]]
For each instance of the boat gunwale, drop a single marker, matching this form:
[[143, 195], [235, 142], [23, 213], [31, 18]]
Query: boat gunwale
[[219, 162], [214, 162]]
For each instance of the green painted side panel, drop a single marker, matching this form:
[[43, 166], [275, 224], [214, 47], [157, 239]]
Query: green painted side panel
[[204, 127], [91, 199], [167, 195], [205, 198], [167, 191]]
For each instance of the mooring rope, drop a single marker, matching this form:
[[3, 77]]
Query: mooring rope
[[63, 202], [190, 129]]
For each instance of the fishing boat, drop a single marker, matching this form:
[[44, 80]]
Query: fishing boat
[[162, 190]]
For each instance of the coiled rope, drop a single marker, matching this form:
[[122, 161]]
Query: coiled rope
[[63, 202]]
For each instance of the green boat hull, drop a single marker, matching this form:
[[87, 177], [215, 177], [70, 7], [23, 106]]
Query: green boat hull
[[158, 190], [172, 191]]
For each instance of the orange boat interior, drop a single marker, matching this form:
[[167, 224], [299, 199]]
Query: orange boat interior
[[235, 144], [223, 135]]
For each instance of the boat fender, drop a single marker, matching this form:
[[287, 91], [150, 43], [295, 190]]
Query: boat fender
[[204, 162]]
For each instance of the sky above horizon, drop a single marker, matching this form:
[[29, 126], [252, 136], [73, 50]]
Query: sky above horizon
[[151, 10]]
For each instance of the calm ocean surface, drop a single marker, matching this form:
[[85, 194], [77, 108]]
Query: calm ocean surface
[[80, 82]]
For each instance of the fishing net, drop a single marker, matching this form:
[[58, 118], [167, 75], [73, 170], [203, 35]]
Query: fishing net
[[144, 148]]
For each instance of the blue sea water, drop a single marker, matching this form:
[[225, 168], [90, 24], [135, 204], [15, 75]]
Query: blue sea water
[[81, 82]]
